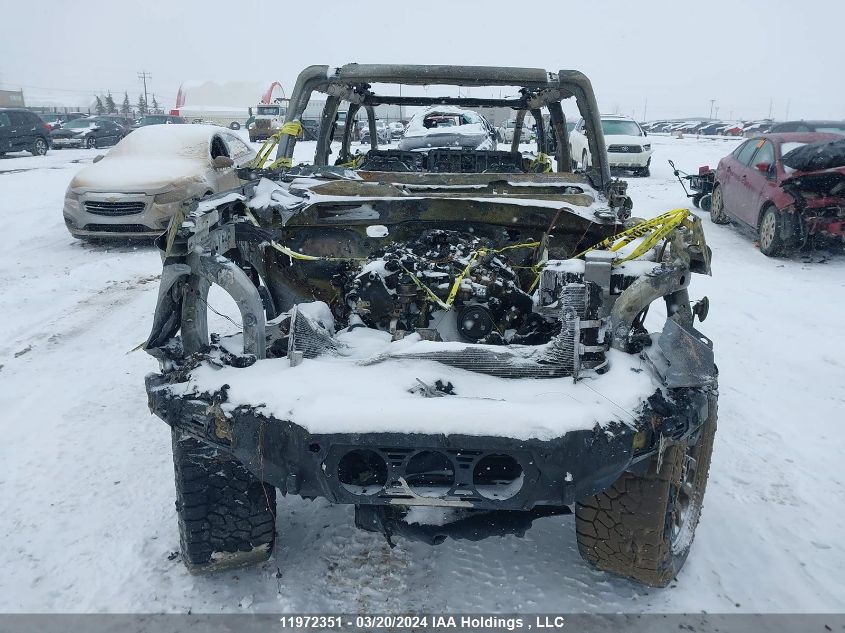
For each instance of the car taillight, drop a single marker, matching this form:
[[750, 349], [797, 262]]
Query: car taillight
[[47, 127]]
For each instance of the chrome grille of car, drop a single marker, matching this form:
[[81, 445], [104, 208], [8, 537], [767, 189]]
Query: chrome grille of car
[[102, 207], [625, 149]]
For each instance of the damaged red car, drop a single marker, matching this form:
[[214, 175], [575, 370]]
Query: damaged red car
[[790, 203]]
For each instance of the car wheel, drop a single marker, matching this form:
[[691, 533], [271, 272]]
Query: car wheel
[[645, 172], [705, 202], [226, 516], [39, 148], [642, 527], [696, 200], [234, 125], [91, 142], [717, 207], [769, 239]]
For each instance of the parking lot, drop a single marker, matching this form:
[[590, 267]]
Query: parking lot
[[89, 473]]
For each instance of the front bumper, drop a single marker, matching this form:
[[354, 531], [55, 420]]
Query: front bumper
[[481, 472], [626, 160], [261, 134], [121, 216], [67, 142]]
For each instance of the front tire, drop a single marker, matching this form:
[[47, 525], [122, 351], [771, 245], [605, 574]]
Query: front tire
[[91, 142], [642, 527], [717, 207], [769, 233], [227, 517], [234, 125]]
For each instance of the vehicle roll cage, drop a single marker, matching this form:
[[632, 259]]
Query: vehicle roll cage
[[352, 83]]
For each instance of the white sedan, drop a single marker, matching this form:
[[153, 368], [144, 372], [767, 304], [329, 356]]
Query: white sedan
[[134, 190], [627, 144]]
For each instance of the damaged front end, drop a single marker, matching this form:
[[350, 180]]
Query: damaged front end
[[454, 354], [359, 276]]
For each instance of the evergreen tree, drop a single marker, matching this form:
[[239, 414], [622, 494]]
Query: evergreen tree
[[99, 108], [155, 105], [111, 108], [125, 108], [142, 105]]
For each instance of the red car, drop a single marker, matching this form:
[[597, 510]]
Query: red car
[[785, 207]]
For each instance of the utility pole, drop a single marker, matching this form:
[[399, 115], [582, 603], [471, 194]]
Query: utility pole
[[143, 76], [771, 105], [645, 109], [787, 110], [712, 101]]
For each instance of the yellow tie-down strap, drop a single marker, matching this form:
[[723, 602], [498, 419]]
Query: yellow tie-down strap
[[653, 230], [291, 128]]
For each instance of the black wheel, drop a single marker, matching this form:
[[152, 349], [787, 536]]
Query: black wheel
[[234, 125], [696, 200], [706, 202], [90, 142], [717, 207], [642, 527], [769, 233], [39, 147], [644, 172], [227, 517]]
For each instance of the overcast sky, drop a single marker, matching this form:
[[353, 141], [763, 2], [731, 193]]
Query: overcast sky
[[675, 54]]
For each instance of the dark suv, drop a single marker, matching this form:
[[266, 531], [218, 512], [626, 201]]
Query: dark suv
[[22, 130]]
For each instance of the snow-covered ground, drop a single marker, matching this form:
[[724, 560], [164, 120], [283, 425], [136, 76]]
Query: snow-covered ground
[[87, 518]]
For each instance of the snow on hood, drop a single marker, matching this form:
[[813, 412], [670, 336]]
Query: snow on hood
[[147, 174], [317, 393]]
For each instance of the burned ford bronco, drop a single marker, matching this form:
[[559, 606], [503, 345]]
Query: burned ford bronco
[[455, 341]]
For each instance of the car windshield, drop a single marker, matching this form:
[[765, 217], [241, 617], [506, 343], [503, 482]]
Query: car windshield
[[79, 124], [153, 120], [615, 127], [268, 110]]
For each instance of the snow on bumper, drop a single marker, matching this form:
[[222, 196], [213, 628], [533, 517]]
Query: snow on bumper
[[368, 435]]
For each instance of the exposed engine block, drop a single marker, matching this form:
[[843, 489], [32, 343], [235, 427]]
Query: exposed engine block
[[452, 286]]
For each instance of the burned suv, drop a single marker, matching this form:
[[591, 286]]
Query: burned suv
[[452, 340]]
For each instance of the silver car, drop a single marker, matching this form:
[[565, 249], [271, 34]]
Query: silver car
[[134, 190]]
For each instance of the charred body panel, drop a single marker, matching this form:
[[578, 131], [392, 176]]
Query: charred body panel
[[490, 277], [408, 469]]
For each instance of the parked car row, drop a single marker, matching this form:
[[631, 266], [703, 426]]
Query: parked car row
[[25, 130], [742, 128]]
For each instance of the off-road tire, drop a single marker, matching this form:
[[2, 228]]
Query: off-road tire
[[227, 517], [627, 529], [717, 207]]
